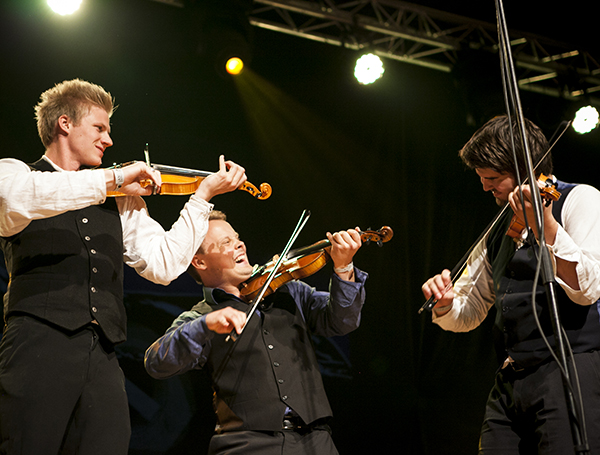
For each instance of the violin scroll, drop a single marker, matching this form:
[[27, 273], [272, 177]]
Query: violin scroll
[[261, 193], [301, 263], [548, 192], [380, 236], [517, 229], [178, 181]]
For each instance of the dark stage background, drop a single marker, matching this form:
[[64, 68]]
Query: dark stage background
[[353, 155]]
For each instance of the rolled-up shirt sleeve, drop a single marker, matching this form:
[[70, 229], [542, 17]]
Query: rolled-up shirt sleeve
[[473, 294], [578, 241], [27, 195], [158, 255]]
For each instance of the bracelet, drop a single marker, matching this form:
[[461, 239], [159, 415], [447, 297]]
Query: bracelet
[[348, 268], [442, 309], [119, 177]]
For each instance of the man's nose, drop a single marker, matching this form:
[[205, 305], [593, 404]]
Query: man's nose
[[106, 140]]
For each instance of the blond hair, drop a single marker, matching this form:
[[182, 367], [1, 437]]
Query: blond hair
[[72, 98]]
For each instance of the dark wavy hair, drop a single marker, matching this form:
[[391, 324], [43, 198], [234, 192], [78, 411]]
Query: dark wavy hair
[[491, 148]]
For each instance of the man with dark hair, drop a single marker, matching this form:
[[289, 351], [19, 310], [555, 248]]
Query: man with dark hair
[[64, 242], [269, 395], [526, 410], [491, 148]]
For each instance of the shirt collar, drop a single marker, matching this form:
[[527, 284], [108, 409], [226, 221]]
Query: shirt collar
[[216, 296], [55, 166]]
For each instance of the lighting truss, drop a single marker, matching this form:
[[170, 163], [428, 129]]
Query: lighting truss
[[418, 35]]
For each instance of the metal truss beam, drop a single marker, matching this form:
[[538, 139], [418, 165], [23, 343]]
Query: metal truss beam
[[427, 37]]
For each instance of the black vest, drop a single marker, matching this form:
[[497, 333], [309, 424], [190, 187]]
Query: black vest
[[516, 332], [68, 269], [271, 366]]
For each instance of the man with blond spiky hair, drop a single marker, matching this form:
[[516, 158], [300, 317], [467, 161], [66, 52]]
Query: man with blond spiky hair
[[64, 242]]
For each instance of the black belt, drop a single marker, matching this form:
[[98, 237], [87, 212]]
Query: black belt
[[292, 423], [295, 423]]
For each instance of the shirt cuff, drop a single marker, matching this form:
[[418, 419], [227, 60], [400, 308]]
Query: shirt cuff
[[99, 184], [360, 278], [199, 203]]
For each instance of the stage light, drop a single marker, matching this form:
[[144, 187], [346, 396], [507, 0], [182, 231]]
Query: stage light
[[586, 119], [224, 33], [64, 7], [234, 66], [368, 69]]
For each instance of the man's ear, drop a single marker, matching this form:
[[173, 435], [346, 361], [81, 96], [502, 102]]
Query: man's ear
[[63, 124], [198, 262]]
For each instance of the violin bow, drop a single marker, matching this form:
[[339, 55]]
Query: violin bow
[[301, 223], [457, 271], [148, 163]]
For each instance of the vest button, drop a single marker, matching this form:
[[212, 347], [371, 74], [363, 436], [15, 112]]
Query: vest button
[[270, 346], [87, 238], [284, 398], [93, 251], [94, 269], [84, 220], [93, 289], [94, 309], [276, 364], [281, 381]]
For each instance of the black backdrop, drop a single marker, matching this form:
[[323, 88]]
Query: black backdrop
[[375, 155]]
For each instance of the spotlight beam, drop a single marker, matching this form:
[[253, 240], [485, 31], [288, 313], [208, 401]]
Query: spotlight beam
[[426, 37]]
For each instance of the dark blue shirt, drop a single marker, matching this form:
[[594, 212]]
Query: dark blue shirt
[[187, 343]]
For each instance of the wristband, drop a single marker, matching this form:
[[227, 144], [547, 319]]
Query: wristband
[[442, 309], [119, 177], [348, 268]]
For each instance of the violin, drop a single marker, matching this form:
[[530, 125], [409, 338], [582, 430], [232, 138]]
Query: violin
[[517, 229], [301, 263], [458, 269], [179, 181]]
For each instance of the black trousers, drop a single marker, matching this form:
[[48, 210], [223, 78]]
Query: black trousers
[[285, 442], [526, 412], [60, 392]]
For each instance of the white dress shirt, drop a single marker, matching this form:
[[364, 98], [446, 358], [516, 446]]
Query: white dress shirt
[[577, 240], [158, 255]]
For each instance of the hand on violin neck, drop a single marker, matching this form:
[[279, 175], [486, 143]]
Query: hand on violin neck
[[522, 208], [137, 179], [229, 178], [344, 245]]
